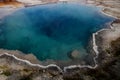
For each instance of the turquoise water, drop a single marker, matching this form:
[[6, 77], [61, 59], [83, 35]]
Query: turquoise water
[[51, 31]]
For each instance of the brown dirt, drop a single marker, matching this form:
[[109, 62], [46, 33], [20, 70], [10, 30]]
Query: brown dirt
[[15, 4]]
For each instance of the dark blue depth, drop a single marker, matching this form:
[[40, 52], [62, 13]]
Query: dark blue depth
[[51, 31]]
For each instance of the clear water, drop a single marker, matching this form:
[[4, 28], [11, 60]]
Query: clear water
[[51, 31]]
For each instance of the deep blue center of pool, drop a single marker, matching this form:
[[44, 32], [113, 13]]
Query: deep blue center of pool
[[51, 31]]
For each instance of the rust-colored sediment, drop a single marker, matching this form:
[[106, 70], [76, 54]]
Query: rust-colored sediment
[[14, 3]]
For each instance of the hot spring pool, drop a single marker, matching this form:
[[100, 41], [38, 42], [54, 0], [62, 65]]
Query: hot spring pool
[[51, 31]]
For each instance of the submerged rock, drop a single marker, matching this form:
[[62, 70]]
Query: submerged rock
[[75, 54]]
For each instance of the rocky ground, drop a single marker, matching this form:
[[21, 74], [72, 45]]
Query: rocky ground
[[108, 60], [12, 68]]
